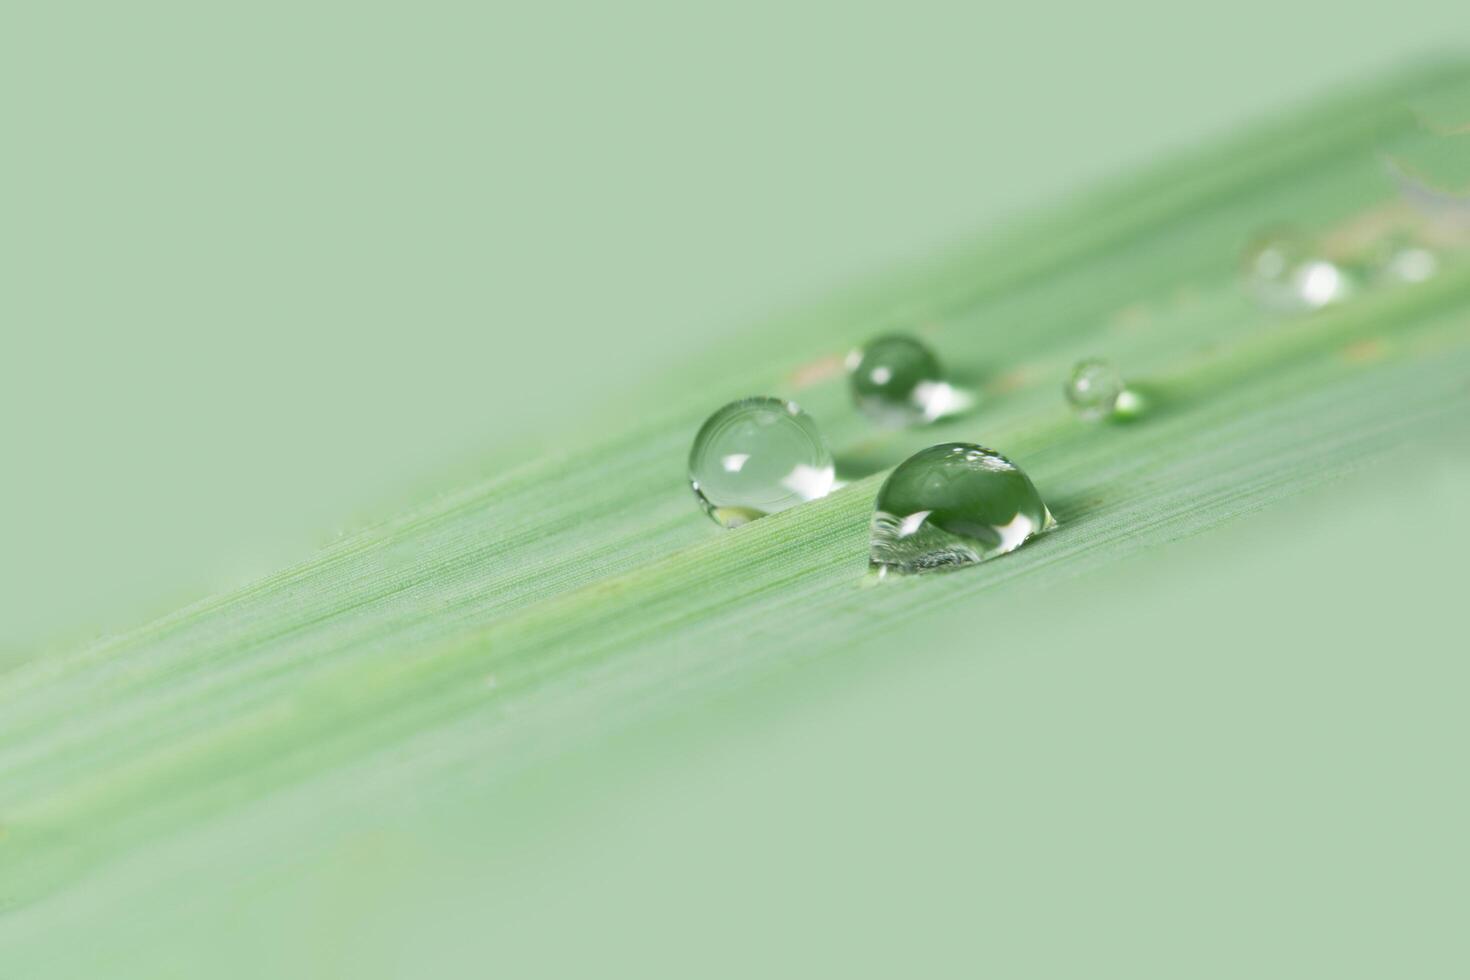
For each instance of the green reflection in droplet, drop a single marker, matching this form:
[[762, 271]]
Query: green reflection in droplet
[[953, 505], [896, 380], [758, 456]]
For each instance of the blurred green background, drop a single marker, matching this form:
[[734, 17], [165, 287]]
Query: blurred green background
[[271, 268]]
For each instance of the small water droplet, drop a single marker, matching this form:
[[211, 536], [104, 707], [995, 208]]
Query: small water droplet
[[953, 505], [758, 456], [1095, 389], [1284, 273], [897, 381], [1402, 261]]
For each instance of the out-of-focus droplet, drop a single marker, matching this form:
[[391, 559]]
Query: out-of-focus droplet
[[953, 505], [896, 380], [1400, 260], [1094, 389], [758, 456], [1319, 283], [1283, 273]]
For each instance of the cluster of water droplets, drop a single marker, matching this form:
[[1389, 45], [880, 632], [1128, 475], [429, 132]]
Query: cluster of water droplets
[[958, 504], [1288, 272], [944, 507]]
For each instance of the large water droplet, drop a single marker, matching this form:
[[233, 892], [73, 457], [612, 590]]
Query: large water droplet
[[953, 505], [758, 456], [897, 381]]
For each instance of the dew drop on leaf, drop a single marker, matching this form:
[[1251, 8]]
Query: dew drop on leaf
[[953, 505], [1094, 389], [897, 381], [1401, 261], [758, 456]]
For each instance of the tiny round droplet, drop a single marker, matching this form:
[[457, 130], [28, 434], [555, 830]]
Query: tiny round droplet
[[1400, 261], [897, 381], [1284, 273], [953, 505], [758, 456], [1094, 389]]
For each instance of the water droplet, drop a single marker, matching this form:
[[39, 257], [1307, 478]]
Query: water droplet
[[953, 505], [1094, 389], [897, 381], [1400, 260], [758, 456], [1283, 273]]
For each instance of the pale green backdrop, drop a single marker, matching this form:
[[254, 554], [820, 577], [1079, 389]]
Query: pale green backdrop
[[270, 268]]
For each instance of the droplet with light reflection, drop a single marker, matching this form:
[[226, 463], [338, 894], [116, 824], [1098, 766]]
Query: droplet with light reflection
[[1284, 273], [758, 456], [953, 505], [896, 380], [1095, 389]]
